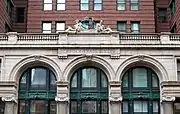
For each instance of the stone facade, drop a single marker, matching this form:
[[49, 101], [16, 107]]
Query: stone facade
[[112, 52]]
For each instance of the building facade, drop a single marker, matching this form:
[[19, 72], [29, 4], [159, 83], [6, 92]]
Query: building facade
[[88, 72], [139, 16]]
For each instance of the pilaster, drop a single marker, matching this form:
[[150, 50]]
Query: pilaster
[[167, 104]]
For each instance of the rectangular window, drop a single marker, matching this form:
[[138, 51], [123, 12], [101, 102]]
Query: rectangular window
[[134, 4], [89, 78], [121, 26], [61, 4], [20, 15], [140, 106], [89, 107], [47, 4], [37, 107], [46, 27], [121, 4], [162, 15], [97, 4], [135, 27], [60, 26], [9, 8], [173, 7], [84, 5]]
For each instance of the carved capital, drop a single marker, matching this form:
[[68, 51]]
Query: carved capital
[[168, 98], [62, 98], [115, 97], [10, 99]]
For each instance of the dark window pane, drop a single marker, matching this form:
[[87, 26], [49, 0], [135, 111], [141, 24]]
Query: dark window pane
[[73, 106], [104, 106], [52, 107], [38, 78], [22, 107], [20, 15], [37, 107], [104, 80], [176, 108], [89, 107], [23, 81], [125, 106], [52, 81], [74, 80]]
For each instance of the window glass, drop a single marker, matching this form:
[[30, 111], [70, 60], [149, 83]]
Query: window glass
[[61, 1], [84, 6], [135, 27], [104, 80], [47, 1], [155, 107], [84, 1], [74, 81], [38, 77], [61, 6], [162, 14], [73, 106], [134, 4], [52, 81], [52, 107], [121, 26], [125, 106], [176, 108], [89, 77], [46, 27], [121, 5], [60, 27], [88, 107], [139, 77], [154, 80], [47, 4], [97, 6], [140, 106], [22, 107], [37, 107], [104, 106], [125, 80]]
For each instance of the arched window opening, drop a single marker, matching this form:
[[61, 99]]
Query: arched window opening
[[140, 89], [89, 91], [37, 91]]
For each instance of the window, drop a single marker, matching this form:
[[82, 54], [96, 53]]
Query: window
[[89, 91], [9, 8], [20, 15], [60, 26], [121, 4], [46, 27], [61, 4], [173, 7], [47, 4], [121, 27], [84, 5], [134, 4], [97, 4], [178, 70], [135, 26], [173, 30], [162, 17], [140, 91], [176, 108]]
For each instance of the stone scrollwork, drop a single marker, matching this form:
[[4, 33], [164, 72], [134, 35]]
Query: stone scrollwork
[[10, 99], [62, 98], [115, 97], [168, 98]]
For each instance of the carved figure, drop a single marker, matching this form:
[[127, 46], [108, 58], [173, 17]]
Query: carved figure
[[101, 28], [77, 27]]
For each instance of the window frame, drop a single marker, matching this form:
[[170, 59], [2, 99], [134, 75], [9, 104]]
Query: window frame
[[101, 3], [84, 3], [135, 3], [117, 3]]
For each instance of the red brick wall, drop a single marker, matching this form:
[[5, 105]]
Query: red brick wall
[[108, 14], [4, 17]]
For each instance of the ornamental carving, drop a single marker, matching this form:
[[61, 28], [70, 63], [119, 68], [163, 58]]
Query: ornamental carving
[[62, 98], [10, 99], [88, 24], [115, 97], [168, 98]]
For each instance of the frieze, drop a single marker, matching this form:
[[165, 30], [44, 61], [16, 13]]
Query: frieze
[[113, 53]]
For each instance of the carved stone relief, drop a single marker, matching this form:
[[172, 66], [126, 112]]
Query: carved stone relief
[[10, 99]]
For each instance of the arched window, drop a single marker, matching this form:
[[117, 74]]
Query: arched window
[[37, 91], [89, 91], [140, 91]]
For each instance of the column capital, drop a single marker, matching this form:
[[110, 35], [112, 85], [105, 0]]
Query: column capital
[[12, 98], [62, 98], [168, 99]]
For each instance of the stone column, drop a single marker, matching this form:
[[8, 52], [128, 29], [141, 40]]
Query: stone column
[[10, 105], [62, 98], [115, 98], [167, 104]]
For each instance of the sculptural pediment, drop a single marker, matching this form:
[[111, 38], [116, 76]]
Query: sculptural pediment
[[88, 24]]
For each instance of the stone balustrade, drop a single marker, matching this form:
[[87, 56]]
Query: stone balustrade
[[89, 38]]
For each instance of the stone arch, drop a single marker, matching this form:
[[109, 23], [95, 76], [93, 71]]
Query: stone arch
[[142, 60], [90, 61], [32, 61]]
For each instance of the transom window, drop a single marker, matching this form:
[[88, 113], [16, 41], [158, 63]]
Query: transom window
[[89, 91], [140, 91], [37, 91]]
